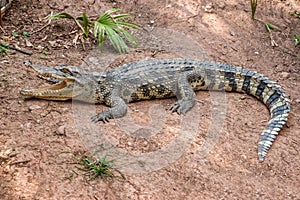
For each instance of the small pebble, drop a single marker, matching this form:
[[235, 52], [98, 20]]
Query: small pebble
[[34, 107], [244, 157], [221, 5], [209, 8], [39, 47], [64, 109], [28, 43], [52, 43], [285, 75], [61, 130]]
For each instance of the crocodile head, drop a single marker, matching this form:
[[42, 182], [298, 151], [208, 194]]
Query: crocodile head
[[70, 83]]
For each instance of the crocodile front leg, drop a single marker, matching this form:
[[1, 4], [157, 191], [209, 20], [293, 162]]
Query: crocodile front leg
[[185, 95], [118, 108]]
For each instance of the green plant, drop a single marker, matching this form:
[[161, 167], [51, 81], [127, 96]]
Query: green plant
[[26, 34], [82, 21], [93, 168], [44, 52], [114, 27], [4, 49], [295, 14], [15, 34], [268, 25], [297, 39], [253, 4]]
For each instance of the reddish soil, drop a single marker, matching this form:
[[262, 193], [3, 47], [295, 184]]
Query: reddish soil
[[36, 134]]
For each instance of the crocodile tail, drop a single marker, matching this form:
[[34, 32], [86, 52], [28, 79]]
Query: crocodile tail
[[276, 101], [250, 82], [279, 107]]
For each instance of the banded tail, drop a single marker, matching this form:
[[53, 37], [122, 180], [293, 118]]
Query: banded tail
[[242, 80]]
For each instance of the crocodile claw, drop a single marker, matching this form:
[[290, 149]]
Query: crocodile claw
[[100, 117], [182, 106], [175, 108]]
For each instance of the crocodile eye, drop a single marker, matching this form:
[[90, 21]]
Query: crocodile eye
[[66, 71]]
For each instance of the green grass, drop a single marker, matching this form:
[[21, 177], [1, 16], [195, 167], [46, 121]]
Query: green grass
[[44, 52], [92, 168], [268, 25], [24, 34], [297, 39], [4, 49], [108, 25], [296, 36], [295, 14], [15, 34], [253, 4]]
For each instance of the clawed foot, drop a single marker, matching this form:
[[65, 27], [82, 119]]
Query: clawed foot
[[182, 106], [113, 112], [101, 117]]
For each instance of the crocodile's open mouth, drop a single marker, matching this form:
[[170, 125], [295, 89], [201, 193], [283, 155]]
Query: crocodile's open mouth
[[63, 90], [59, 91]]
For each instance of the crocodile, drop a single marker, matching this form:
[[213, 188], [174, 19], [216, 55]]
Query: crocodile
[[149, 79]]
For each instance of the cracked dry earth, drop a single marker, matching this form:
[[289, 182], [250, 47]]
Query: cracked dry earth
[[35, 134]]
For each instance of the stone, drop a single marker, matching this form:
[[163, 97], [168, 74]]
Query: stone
[[285, 75], [34, 107], [61, 130]]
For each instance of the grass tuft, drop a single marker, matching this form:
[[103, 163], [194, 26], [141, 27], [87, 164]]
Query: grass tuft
[[4, 49], [268, 25], [93, 168]]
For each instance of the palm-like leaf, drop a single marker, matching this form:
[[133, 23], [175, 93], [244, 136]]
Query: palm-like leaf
[[115, 29], [85, 24], [107, 25], [61, 15]]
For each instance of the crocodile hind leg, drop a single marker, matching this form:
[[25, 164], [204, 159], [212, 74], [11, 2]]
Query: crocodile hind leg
[[185, 95]]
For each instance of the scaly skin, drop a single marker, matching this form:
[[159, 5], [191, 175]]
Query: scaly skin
[[149, 79]]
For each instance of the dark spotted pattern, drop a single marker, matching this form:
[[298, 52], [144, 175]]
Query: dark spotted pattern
[[161, 89], [134, 96]]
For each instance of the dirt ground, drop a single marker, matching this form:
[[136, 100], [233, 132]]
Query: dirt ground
[[36, 134]]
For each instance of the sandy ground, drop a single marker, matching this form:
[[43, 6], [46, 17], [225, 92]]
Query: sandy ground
[[38, 138]]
